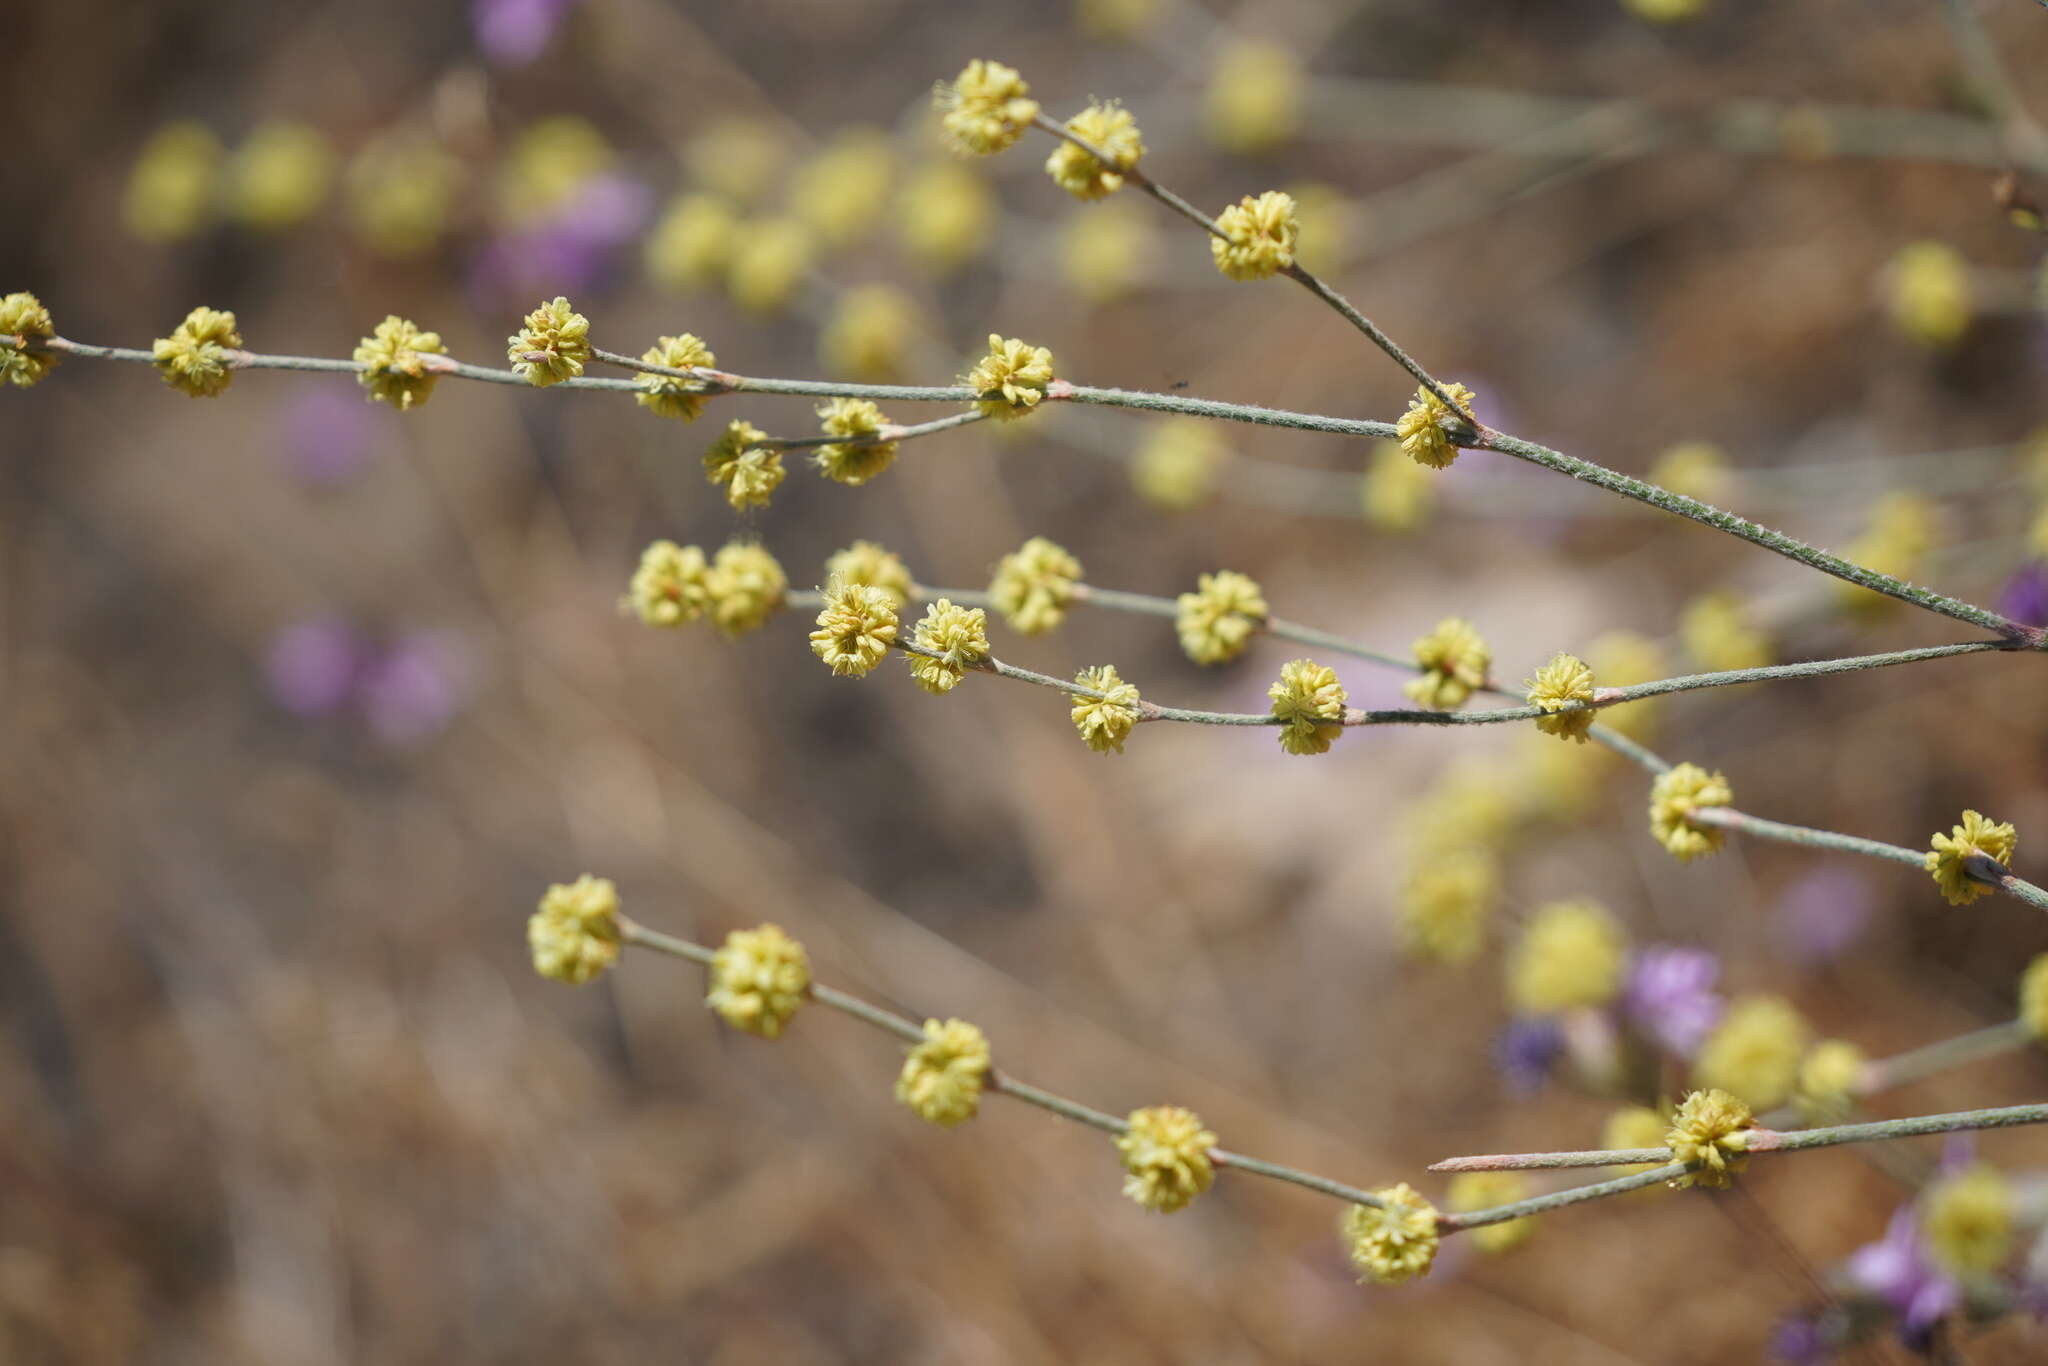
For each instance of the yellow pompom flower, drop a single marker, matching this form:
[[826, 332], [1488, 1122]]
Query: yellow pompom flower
[[1711, 1129], [1469, 1191], [759, 979], [959, 635], [1634, 1126], [1253, 98], [1830, 1078], [737, 156], [1259, 237], [22, 317], [842, 191], [1929, 296], [945, 216], [770, 259], [1115, 20], [750, 472], [1468, 805], [1621, 659], [984, 109], [546, 165], [1216, 621], [395, 369], [574, 936], [1674, 796], [400, 189], [1697, 469], [1717, 633], [1395, 1242], [1397, 494], [1421, 429], [1105, 722], [745, 586], [1555, 782], [1948, 861], [1570, 954], [869, 564], [1166, 1158], [665, 395], [1106, 254], [867, 334], [2034, 999], [195, 358], [1175, 465], [1033, 586], [855, 629], [553, 345], [1309, 702], [1011, 379], [1445, 904], [280, 175], [943, 1077], [1454, 660], [1968, 1221], [1754, 1051], [671, 586], [853, 461], [172, 187], [1558, 684], [691, 243], [1110, 129]]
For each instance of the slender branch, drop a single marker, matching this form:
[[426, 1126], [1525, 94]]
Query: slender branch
[[1742, 822], [1585, 1157], [1573, 1195], [1942, 1055]]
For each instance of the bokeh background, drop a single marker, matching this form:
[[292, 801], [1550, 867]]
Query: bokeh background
[[306, 701]]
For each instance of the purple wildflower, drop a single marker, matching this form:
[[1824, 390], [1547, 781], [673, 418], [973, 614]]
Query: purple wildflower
[[1800, 1340], [312, 666], [1525, 1051], [571, 250], [1824, 913], [2025, 595], [412, 689], [514, 32], [1670, 996], [1896, 1270]]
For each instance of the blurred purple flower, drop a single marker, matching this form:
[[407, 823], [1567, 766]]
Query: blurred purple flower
[[570, 250], [1525, 1051], [329, 435], [1800, 1341], [1670, 996], [312, 666], [412, 689], [2025, 596], [514, 32], [1824, 913], [1896, 1270]]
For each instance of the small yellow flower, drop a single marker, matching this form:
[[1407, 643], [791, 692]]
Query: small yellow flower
[[2034, 999], [1106, 254], [1115, 20], [691, 242], [946, 216], [1110, 129], [1621, 659], [737, 156], [1445, 904], [1397, 494], [1557, 783], [1570, 954], [194, 358], [1468, 806], [671, 587], [1634, 1126], [1968, 1220], [172, 188], [1454, 661], [395, 369], [1712, 1129], [1674, 796], [869, 564], [1830, 1077], [759, 978], [853, 462], [1105, 722], [665, 395], [1754, 1051], [867, 334], [400, 189], [1033, 586], [1697, 469], [1558, 684], [1217, 620], [1309, 702], [942, 1078], [985, 109], [1166, 1158], [1930, 298], [1421, 428], [280, 175], [1259, 237], [23, 315], [1948, 860], [749, 471], [1394, 1243], [841, 192], [770, 259], [959, 635], [855, 629], [553, 345], [574, 936], [1176, 463], [1011, 379], [547, 164], [745, 586], [1253, 98], [1471, 1191], [1717, 633]]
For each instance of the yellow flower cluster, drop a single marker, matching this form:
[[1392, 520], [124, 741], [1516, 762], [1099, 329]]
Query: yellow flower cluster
[[1454, 660], [1968, 1221], [1622, 659], [1948, 862], [867, 563], [945, 216], [985, 109], [841, 192], [1253, 98], [749, 471], [1309, 702], [173, 185], [1259, 237], [1754, 1051], [1033, 586], [552, 345], [1717, 632], [1110, 129], [401, 187], [1711, 1129], [867, 333], [1216, 621], [1175, 465], [1106, 254], [1674, 796], [859, 455], [759, 979], [1470, 1191], [23, 316], [1930, 299], [1395, 1242], [194, 358], [1011, 379], [691, 242], [1105, 722], [1570, 954], [738, 589], [942, 1079], [770, 258], [665, 395], [1396, 493], [1421, 429], [1830, 1077], [959, 635], [1445, 904], [1166, 1158], [855, 629], [574, 935], [1558, 684], [280, 175], [1667, 11], [395, 369]]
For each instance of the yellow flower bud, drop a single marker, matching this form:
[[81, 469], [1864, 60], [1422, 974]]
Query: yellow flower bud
[[1421, 428], [173, 184], [750, 472], [853, 462], [1253, 98], [1968, 1221], [942, 1079], [1259, 237], [280, 175], [23, 315], [671, 586], [395, 370], [869, 564], [1711, 1129], [1166, 1158], [195, 357], [1754, 1051], [1011, 379], [665, 395], [1674, 796], [855, 629], [691, 242], [745, 587], [1454, 661], [1309, 701], [1570, 954], [1033, 586], [1558, 684], [1111, 130], [1216, 621], [574, 935], [1107, 721], [1948, 860], [1393, 1243], [985, 109], [960, 637], [759, 979], [552, 345]]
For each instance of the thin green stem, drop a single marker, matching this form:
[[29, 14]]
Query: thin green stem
[[1943, 1055], [1742, 822], [1573, 1195]]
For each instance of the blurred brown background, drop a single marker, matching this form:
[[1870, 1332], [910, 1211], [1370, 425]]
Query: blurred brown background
[[306, 701]]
